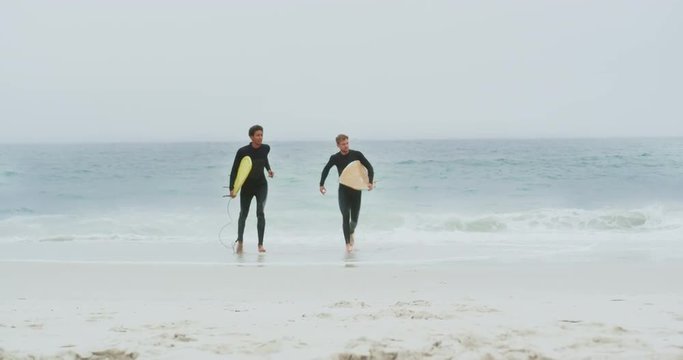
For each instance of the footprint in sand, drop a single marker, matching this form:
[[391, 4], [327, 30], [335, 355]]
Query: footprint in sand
[[119, 329], [269, 347], [111, 354], [96, 316], [604, 340], [601, 341], [619, 330], [344, 304], [403, 310], [516, 333], [423, 303], [35, 326], [171, 325], [403, 313], [183, 338], [361, 341], [323, 316], [388, 349], [236, 310], [374, 354], [526, 354], [470, 342]]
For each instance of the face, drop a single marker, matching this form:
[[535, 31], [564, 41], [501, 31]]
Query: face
[[257, 138], [343, 146]]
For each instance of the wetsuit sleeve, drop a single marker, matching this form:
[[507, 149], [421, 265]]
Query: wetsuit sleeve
[[267, 165], [326, 170], [235, 165], [366, 163]]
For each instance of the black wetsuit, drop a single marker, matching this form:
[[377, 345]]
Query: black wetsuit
[[349, 199], [255, 185]]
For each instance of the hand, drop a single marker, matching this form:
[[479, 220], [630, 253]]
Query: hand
[[232, 194], [323, 190], [371, 186], [271, 173]]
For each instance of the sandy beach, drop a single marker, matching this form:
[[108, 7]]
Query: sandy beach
[[468, 310]]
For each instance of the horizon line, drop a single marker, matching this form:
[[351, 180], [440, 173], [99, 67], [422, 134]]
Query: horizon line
[[194, 141]]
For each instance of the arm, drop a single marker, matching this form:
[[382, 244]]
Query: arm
[[366, 163], [270, 172], [323, 176]]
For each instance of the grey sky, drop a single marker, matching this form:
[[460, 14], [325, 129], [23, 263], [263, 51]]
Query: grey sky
[[207, 70]]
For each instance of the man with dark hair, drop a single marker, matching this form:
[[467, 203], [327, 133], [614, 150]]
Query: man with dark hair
[[255, 185], [349, 199]]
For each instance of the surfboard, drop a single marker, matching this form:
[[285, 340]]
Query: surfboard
[[355, 176], [242, 172]]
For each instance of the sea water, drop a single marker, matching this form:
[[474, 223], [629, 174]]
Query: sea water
[[435, 201]]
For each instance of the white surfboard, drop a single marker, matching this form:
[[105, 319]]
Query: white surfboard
[[355, 176]]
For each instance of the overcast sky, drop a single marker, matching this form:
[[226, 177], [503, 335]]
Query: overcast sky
[[207, 70]]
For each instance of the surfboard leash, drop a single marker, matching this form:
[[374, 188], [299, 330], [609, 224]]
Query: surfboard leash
[[220, 239]]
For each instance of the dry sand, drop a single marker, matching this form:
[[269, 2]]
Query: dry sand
[[450, 310]]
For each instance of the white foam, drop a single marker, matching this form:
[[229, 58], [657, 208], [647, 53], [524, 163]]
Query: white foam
[[646, 219]]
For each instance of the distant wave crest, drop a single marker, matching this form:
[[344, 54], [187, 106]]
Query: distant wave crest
[[563, 220]]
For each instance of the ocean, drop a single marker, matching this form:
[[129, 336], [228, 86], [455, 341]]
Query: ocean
[[435, 201]]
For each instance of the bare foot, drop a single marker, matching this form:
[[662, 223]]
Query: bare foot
[[349, 247], [239, 249], [261, 249]]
